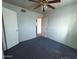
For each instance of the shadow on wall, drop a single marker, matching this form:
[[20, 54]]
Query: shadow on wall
[[71, 38]]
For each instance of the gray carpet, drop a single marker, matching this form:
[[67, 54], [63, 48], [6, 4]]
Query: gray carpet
[[40, 48]]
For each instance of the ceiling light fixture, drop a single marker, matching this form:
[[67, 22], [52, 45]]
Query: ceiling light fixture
[[45, 4]]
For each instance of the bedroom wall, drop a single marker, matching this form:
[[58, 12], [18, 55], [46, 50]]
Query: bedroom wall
[[26, 22], [61, 25]]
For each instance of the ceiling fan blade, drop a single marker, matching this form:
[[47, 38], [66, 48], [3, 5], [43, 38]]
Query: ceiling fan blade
[[54, 1], [51, 6], [34, 1], [37, 6]]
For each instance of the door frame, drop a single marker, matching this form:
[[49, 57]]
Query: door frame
[[3, 29], [37, 35]]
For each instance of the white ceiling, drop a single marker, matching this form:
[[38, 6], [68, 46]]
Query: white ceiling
[[30, 5]]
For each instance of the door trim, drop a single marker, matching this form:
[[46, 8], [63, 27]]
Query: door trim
[[4, 31]]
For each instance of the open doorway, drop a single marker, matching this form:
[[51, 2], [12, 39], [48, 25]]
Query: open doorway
[[39, 26]]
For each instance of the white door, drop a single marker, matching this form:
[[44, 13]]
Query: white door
[[10, 25]]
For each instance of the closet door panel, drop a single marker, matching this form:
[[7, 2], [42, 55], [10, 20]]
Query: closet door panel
[[10, 25]]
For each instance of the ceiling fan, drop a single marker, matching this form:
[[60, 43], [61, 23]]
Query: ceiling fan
[[44, 4]]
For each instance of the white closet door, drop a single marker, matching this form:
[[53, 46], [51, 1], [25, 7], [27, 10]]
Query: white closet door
[[10, 25]]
